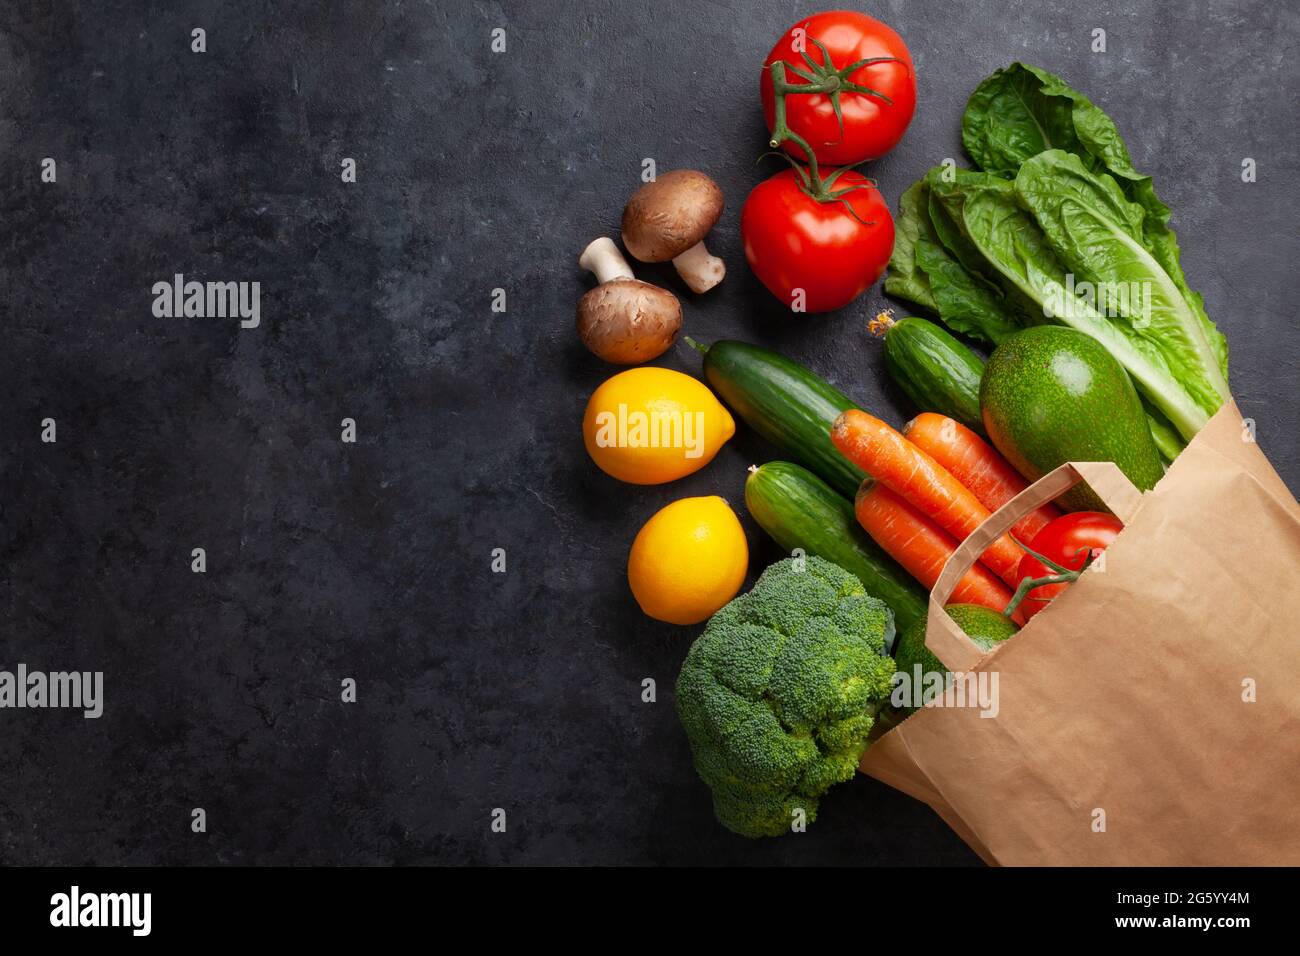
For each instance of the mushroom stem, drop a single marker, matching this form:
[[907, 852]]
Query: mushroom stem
[[700, 270], [603, 258]]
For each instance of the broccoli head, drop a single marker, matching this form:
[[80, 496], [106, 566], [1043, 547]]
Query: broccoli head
[[778, 694]]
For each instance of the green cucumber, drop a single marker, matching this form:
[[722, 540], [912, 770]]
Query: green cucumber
[[799, 510], [933, 369], [984, 626], [785, 403]]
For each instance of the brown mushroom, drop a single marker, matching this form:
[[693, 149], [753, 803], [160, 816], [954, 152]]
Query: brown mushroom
[[669, 218], [624, 320]]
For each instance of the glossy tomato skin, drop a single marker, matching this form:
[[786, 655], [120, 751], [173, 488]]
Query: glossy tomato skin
[[1063, 540], [794, 242], [872, 127]]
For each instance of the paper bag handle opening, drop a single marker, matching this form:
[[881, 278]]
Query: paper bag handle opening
[[943, 637]]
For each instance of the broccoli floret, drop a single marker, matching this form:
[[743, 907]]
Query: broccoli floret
[[779, 693]]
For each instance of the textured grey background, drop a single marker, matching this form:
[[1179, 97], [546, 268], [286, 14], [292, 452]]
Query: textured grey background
[[371, 560]]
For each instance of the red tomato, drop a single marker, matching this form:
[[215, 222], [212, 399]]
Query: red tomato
[[1065, 540], [795, 243], [872, 126]]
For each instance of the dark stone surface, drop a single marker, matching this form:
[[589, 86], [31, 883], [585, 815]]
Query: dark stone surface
[[325, 560]]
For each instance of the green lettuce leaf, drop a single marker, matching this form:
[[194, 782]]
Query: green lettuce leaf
[[964, 303], [1010, 240], [1022, 110], [1019, 112], [940, 180], [1058, 225], [906, 279], [1097, 234], [1168, 442], [924, 270]]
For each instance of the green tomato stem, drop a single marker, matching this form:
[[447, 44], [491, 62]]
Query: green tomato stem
[[1065, 576], [702, 349], [824, 79]]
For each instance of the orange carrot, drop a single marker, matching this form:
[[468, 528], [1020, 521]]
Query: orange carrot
[[922, 482], [921, 547], [978, 466]]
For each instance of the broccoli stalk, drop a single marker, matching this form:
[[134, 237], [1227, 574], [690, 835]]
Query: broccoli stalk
[[779, 693]]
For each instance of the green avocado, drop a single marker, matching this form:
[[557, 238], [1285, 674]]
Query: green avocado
[[1050, 394], [982, 625]]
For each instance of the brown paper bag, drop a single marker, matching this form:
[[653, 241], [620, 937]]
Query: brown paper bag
[[1151, 714]]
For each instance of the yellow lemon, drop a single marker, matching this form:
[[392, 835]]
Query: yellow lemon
[[650, 425], [688, 560]]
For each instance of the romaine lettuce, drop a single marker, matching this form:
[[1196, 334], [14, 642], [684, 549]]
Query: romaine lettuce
[[1058, 226]]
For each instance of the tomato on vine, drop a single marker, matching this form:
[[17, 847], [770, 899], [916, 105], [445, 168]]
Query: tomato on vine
[[1059, 553], [817, 244], [840, 87]]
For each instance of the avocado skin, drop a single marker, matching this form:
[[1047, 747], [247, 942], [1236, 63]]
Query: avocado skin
[[1051, 394], [982, 625]]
